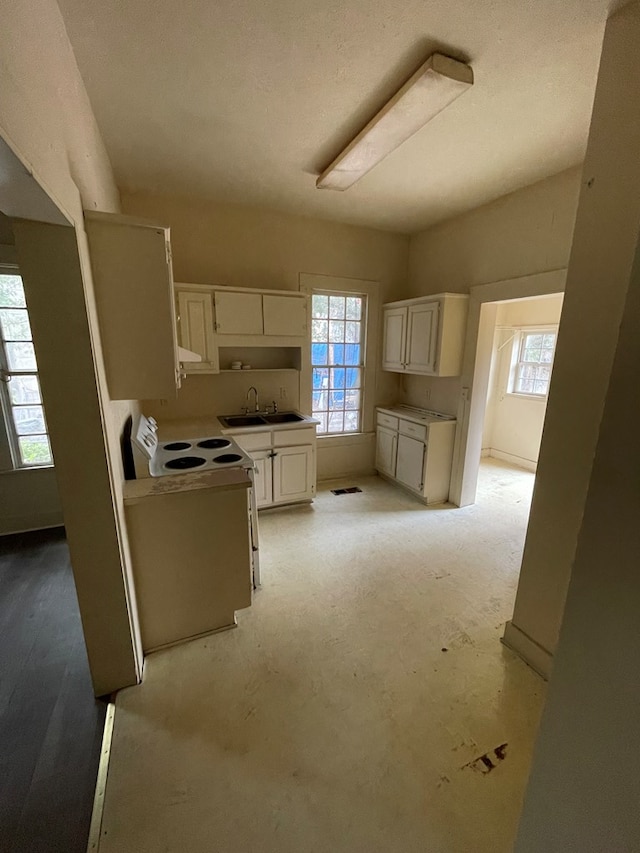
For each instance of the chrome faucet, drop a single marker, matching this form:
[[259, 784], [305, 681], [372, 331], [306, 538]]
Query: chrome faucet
[[255, 390]]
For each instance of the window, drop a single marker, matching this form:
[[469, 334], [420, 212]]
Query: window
[[533, 363], [337, 361], [20, 387]]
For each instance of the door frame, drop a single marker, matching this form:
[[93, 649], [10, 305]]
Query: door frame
[[476, 368]]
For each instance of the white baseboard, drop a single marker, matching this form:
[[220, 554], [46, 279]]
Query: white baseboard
[[528, 464], [525, 647]]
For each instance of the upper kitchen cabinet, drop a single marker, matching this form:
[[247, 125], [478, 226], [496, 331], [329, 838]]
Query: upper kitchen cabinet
[[259, 316], [131, 265], [196, 329], [426, 335]]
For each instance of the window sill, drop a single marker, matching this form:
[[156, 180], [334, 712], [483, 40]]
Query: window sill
[[27, 468], [541, 398], [344, 437]]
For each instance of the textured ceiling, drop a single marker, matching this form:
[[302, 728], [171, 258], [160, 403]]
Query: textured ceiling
[[247, 100]]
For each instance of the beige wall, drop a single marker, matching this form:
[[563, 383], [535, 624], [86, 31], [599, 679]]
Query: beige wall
[[254, 247], [607, 227], [584, 787], [46, 118], [513, 424], [29, 499], [526, 232]]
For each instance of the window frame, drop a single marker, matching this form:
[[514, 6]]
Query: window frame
[[9, 434], [519, 338], [361, 366], [371, 390]]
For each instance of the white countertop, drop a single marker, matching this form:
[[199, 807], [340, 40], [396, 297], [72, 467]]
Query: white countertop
[[418, 416], [220, 478]]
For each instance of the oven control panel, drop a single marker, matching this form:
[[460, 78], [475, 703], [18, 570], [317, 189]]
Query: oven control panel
[[144, 436]]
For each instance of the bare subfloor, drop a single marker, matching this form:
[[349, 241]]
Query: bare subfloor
[[347, 711]]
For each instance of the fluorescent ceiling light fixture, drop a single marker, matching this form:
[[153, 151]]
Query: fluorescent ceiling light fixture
[[433, 87]]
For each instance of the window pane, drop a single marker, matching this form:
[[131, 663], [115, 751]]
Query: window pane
[[526, 386], [540, 387], [336, 354], [352, 333], [15, 324], [21, 356], [318, 401], [336, 401], [546, 356], [336, 331], [544, 373], [320, 377], [11, 292], [319, 306], [533, 341], [319, 353], [319, 331], [337, 377], [35, 450], [336, 422], [24, 389], [353, 379], [352, 400], [549, 341], [532, 355], [354, 308], [322, 417], [29, 419], [351, 421], [336, 307], [352, 354]]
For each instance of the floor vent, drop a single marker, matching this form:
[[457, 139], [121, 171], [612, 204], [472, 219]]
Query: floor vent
[[350, 491]]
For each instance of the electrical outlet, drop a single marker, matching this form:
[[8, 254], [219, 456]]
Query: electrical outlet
[[283, 392], [427, 395]]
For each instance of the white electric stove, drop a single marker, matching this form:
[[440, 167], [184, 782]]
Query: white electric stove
[[160, 459]]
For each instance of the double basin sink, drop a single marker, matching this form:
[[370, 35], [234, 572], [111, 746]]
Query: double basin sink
[[231, 421]]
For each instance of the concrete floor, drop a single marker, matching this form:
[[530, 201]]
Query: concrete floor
[[347, 712]]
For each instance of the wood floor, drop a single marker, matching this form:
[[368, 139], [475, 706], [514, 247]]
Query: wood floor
[[50, 724]]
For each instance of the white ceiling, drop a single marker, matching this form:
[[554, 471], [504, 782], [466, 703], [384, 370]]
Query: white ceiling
[[248, 100]]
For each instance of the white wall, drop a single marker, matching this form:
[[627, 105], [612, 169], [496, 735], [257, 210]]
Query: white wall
[[46, 119], [254, 247], [513, 424]]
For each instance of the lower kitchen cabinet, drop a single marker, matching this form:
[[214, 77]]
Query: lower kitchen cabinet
[[414, 448], [285, 460], [386, 450]]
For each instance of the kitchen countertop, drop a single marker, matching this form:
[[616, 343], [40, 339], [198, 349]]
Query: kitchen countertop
[[418, 416], [222, 478], [203, 427]]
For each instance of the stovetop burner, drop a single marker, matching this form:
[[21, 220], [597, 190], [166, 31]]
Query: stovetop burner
[[213, 443], [177, 445], [227, 457], [181, 463]]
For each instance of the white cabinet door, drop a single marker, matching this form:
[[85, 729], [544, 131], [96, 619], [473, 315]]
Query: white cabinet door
[[293, 474], [386, 444], [195, 312], [238, 313], [394, 338], [133, 284], [422, 337], [410, 463], [263, 477], [284, 315]]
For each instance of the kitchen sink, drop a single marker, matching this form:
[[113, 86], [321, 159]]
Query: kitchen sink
[[283, 418], [243, 421]]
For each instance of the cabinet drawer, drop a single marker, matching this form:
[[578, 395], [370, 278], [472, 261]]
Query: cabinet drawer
[[418, 431], [387, 421], [290, 437], [252, 440]]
